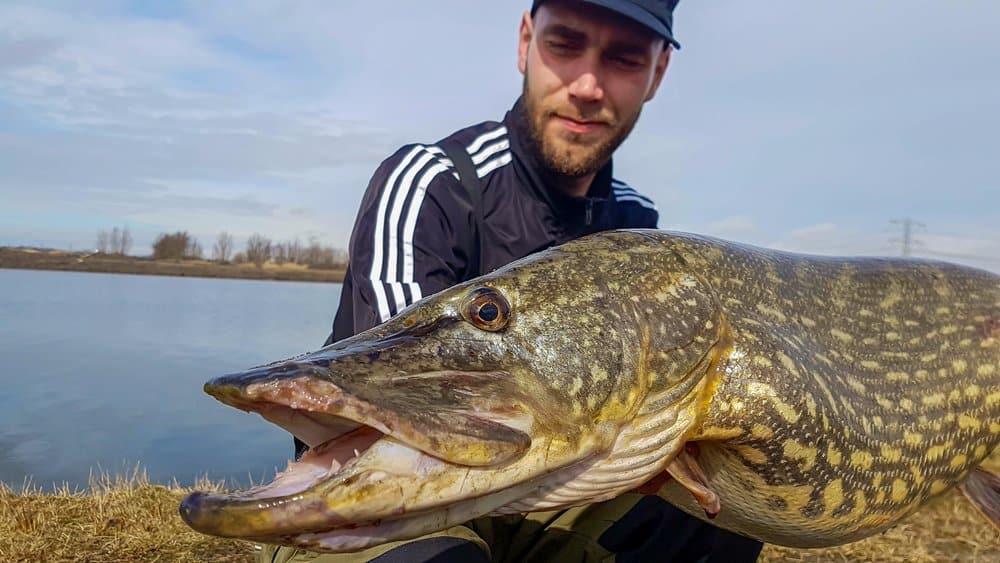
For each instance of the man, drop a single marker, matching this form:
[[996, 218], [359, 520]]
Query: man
[[543, 176]]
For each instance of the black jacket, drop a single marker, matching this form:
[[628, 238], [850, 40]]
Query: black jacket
[[414, 234]]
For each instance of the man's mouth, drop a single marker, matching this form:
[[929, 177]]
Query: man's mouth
[[580, 127]]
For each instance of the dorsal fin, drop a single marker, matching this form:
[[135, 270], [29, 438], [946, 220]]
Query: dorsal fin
[[983, 489]]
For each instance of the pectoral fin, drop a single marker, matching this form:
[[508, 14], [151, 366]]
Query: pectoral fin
[[686, 471], [983, 489]]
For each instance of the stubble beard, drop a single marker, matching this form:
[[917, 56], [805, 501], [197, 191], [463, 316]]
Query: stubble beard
[[578, 159]]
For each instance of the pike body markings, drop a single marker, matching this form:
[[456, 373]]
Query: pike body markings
[[826, 398]]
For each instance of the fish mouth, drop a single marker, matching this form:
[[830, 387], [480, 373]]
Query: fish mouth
[[380, 460]]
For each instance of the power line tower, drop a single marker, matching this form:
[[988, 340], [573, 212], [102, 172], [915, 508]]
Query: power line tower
[[907, 242]]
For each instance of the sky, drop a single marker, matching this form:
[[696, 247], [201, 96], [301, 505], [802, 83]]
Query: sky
[[804, 126]]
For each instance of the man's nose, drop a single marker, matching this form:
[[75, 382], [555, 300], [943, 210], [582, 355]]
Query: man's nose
[[587, 87]]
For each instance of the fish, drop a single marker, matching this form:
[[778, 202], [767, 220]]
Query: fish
[[800, 400]]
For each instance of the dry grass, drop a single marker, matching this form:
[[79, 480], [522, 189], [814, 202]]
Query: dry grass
[[125, 518], [128, 519]]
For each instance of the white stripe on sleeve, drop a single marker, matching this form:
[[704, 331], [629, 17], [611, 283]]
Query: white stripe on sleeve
[[375, 275]]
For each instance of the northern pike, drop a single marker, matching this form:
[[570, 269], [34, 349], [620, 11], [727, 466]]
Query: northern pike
[[800, 400]]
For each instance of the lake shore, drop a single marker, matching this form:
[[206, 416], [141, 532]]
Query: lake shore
[[47, 259], [129, 519]]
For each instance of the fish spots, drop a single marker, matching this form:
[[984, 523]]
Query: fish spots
[[980, 452], [841, 335], [899, 490], [786, 411], [772, 312], [761, 432], [891, 454], [856, 385], [906, 404], [871, 365], [599, 374], [884, 403], [833, 495], [959, 461], [966, 422], [862, 459], [933, 400], [959, 366], [810, 404], [795, 450], [762, 361], [939, 486], [937, 452], [913, 439], [789, 364], [890, 300], [897, 376], [986, 370], [807, 322], [928, 358], [575, 386], [992, 398], [833, 455]]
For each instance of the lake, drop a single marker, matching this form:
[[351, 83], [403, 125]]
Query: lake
[[101, 371]]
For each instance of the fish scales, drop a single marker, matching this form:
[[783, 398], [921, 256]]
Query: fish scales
[[875, 380], [801, 400]]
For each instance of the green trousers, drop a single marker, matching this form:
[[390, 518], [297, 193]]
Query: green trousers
[[564, 535]]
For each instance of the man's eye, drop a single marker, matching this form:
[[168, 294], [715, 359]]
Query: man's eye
[[626, 62], [561, 47]]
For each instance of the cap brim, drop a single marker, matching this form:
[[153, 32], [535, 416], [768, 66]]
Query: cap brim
[[638, 14]]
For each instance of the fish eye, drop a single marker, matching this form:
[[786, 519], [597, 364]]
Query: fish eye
[[487, 309]]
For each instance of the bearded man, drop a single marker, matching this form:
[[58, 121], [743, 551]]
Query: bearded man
[[438, 214]]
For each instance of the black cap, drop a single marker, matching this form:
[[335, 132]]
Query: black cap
[[657, 15]]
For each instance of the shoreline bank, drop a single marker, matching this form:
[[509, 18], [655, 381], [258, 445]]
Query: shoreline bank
[[58, 260]]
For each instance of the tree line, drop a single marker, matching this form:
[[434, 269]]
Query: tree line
[[258, 249]]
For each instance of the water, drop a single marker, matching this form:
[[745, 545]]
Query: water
[[103, 371]]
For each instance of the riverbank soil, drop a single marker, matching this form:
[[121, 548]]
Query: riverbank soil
[[129, 519], [47, 259]]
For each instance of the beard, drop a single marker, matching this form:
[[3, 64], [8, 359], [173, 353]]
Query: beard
[[573, 155]]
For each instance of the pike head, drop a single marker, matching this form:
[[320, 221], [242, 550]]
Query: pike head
[[562, 379]]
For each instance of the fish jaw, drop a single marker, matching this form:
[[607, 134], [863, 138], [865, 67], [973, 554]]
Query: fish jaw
[[383, 462]]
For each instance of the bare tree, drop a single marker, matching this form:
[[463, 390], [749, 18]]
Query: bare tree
[[124, 242], [116, 240], [193, 250], [279, 253], [258, 249], [223, 249], [103, 242], [295, 251]]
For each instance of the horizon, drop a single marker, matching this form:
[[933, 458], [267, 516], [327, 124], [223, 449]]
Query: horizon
[[802, 127]]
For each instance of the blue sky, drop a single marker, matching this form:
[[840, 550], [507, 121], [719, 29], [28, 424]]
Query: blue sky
[[799, 125]]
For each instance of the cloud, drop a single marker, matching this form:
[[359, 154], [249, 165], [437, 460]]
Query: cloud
[[272, 117]]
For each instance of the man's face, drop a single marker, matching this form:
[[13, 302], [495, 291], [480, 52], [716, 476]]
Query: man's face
[[587, 73]]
